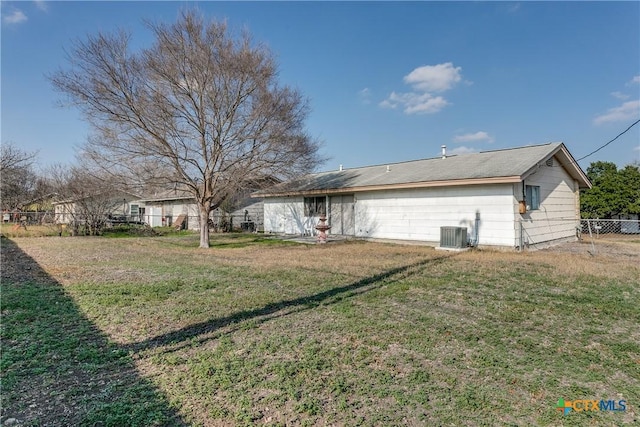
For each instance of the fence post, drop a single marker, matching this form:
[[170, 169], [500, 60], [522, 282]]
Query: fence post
[[593, 247]]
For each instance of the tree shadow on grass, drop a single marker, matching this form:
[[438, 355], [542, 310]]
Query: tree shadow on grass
[[201, 332], [58, 368]]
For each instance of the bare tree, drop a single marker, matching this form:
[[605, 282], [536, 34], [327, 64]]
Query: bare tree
[[201, 109], [85, 199], [17, 176]]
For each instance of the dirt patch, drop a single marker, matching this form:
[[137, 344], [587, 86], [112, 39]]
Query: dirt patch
[[627, 249]]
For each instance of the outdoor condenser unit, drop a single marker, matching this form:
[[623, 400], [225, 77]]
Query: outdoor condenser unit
[[453, 237]]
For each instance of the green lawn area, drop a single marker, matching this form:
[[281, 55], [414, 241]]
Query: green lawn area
[[154, 331]]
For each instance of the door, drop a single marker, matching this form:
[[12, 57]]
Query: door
[[341, 216], [154, 216]]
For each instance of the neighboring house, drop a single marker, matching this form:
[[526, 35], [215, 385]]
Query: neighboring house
[[483, 192], [38, 210], [40, 204], [114, 205], [247, 216], [165, 208]]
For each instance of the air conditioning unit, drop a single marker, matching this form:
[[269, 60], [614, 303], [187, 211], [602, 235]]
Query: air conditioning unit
[[453, 237]]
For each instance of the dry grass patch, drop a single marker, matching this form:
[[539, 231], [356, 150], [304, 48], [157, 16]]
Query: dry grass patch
[[12, 230], [255, 331]]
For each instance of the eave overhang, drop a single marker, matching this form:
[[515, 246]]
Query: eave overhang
[[567, 161], [400, 186]]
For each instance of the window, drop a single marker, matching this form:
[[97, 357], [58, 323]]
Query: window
[[315, 206], [532, 194], [134, 211]]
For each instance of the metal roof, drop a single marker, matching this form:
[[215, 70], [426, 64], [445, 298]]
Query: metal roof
[[498, 166]]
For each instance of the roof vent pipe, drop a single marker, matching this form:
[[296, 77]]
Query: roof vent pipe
[[341, 168], [388, 168], [444, 151]]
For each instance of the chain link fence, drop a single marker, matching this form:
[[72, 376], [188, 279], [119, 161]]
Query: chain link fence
[[610, 228], [615, 237], [586, 235], [218, 222], [28, 218]]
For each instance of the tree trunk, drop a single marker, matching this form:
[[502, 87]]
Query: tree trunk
[[204, 226]]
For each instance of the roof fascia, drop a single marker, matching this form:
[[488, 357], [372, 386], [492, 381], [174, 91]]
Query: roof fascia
[[116, 194], [168, 199], [567, 162], [400, 186]]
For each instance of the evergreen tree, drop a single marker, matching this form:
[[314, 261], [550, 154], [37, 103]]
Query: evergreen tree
[[614, 192]]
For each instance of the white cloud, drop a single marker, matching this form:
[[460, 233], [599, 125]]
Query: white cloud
[[432, 105], [415, 103], [425, 81], [42, 5], [462, 150], [627, 111], [473, 137], [434, 78], [365, 95], [635, 79], [16, 17], [619, 95]]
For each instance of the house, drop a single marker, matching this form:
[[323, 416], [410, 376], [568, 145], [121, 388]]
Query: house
[[36, 211], [113, 204], [508, 198], [247, 214], [165, 208]]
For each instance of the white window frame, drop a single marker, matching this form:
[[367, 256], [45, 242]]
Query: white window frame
[[532, 195], [315, 206]]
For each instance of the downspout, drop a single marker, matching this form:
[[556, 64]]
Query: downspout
[[327, 203], [524, 200], [477, 231]]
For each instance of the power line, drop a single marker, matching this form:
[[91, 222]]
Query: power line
[[619, 135]]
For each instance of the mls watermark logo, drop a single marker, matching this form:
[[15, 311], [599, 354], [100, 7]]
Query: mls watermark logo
[[563, 406], [584, 405]]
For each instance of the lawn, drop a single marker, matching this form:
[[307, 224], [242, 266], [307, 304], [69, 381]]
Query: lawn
[[154, 331]]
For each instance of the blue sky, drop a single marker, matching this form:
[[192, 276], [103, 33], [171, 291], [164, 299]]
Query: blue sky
[[387, 81]]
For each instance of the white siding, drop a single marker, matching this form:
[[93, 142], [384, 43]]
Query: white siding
[[157, 213], [117, 205], [193, 217], [418, 214], [179, 207], [153, 215], [64, 212], [286, 215], [559, 211]]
